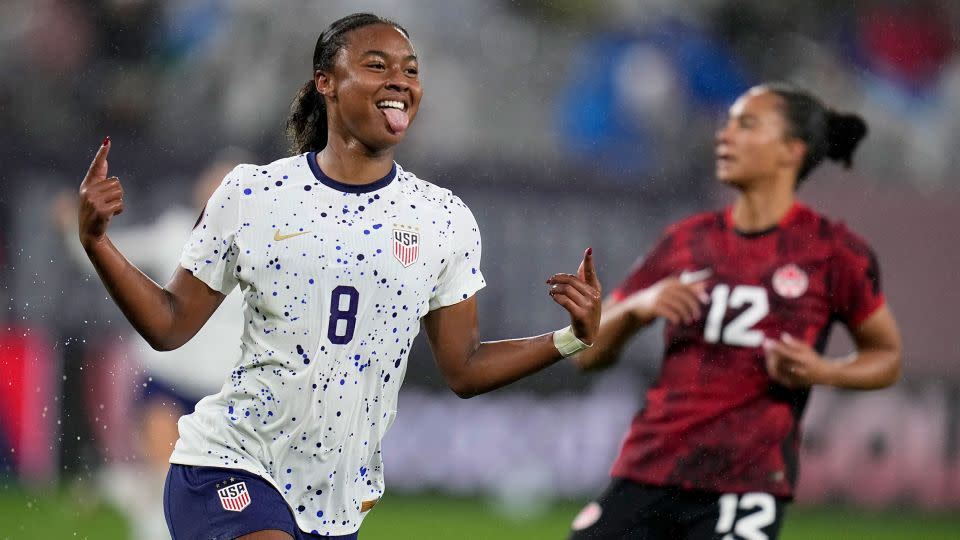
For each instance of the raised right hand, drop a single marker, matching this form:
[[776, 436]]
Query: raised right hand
[[101, 198], [580, 296], [670, 298]]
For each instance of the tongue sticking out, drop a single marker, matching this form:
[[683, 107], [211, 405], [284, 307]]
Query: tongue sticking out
[[397, 119]]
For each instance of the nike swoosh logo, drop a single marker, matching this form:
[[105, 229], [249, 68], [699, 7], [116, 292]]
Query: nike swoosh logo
[[695, 276], [278, 237]]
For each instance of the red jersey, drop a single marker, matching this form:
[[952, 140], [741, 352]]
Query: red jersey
[[714, 420]]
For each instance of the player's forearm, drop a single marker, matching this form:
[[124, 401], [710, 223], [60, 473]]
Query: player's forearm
[[617, 326], [866, 370], [147, 305], [498, 363]]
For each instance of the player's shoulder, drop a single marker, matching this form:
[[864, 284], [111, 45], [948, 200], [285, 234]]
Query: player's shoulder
[[831, 230], [429, 194], [697, 223], [286, 170]]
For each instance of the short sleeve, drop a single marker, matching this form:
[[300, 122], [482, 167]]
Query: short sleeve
[[210, 253], [460, 276], [856, 293], [647, 270]]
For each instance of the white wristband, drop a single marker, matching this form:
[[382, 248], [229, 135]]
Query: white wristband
[[567, 342]]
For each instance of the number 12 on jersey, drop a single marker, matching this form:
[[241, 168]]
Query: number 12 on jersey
[[344, 303], [738, 332]]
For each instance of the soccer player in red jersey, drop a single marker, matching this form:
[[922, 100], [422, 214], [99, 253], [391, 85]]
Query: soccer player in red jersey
[[749, 294]]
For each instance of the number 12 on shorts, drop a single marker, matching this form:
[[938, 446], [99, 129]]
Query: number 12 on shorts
[[751, 525]]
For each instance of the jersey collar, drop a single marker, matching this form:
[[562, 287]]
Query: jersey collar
[[349, 188], [784, 221]]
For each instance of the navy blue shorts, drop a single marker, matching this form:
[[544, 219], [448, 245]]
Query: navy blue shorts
[[222, 504]]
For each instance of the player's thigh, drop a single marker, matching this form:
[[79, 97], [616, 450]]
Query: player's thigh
[[624, 510], [734, 516], [209, 502]]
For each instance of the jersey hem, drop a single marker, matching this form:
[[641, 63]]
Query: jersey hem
[[639, 479], [187, 262], [455, 298], [214, 463], [856, 321]]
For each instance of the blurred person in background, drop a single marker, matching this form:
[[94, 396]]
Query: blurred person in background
[[627, 89], [749, 294], [339, 254], [172, 381]]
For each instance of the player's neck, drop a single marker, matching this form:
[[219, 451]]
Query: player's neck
[[761, 209], [351, 164]]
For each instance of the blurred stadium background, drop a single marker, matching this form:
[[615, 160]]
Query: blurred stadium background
[[563, 124]]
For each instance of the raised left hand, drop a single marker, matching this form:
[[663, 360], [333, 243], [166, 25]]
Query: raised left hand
[[794, 364], [580, 296]]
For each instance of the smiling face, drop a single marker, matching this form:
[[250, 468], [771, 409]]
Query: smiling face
[[753, 145], [373, 91]]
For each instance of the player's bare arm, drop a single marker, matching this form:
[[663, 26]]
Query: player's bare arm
[[165, 317], [471, 367], [669, 298], [876, 364]]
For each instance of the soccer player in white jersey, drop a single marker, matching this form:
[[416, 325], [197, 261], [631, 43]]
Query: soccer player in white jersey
[[339, 254]]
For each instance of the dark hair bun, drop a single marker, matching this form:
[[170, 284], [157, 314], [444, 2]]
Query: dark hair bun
[[844, 133]]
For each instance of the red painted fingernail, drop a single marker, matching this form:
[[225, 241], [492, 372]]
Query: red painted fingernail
[[589, 251], [106, 140]]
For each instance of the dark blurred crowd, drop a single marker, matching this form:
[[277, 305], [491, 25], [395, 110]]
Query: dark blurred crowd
[[621, 87]]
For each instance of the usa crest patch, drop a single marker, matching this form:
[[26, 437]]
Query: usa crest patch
[[406, 245], [235, 497]]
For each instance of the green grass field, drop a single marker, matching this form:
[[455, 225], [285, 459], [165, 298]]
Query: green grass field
[[59, 516]]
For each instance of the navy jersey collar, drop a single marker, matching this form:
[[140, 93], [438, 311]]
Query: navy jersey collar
[[349, 188]]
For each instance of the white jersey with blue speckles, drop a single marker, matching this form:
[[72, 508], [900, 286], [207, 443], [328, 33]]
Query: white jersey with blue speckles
[[335, 279]]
